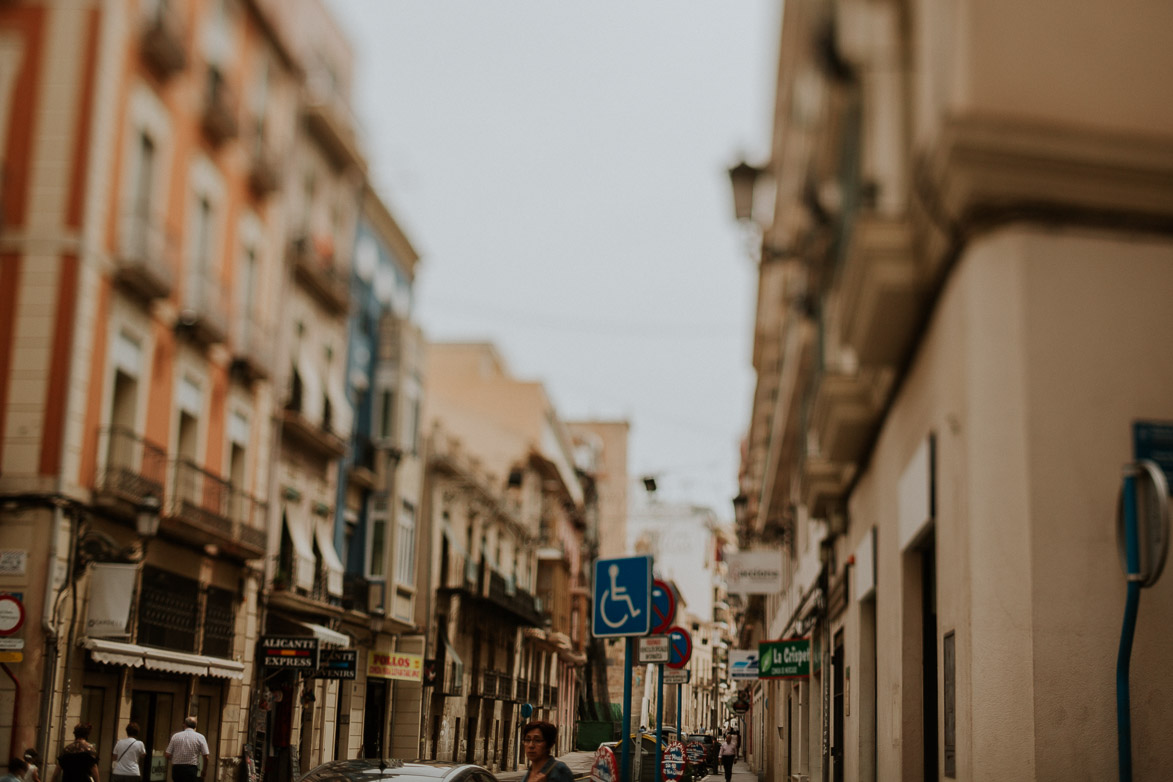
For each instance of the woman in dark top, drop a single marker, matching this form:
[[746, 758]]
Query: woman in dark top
[[78, 761], [539, 738]]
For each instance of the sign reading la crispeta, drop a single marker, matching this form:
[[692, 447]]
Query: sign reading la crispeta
[[788, 658]]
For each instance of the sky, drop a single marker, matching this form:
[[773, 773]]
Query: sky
[[561, 168]]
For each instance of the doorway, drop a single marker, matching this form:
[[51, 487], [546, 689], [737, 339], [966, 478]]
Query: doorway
[[158, 717]]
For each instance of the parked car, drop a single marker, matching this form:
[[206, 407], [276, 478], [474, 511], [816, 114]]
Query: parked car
[[376, 770]]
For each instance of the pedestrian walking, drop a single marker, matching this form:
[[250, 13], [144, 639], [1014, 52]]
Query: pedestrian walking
[[78, 761], [16, 770], [128, 754], [539, 738], [728, 755], [188, 753], [33, 758]]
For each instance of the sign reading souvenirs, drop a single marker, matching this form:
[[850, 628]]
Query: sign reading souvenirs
[[289, 652], [396, 665], [338, 664], [789, 658]]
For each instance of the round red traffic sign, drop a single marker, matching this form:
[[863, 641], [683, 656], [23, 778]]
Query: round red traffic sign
[[605, 767], [679, 647], [673, 762], [663, 606], [11, 614]]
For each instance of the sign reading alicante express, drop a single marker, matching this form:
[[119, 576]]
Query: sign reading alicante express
[[788, 658]]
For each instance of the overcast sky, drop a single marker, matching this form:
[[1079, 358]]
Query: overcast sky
[[561, 169]]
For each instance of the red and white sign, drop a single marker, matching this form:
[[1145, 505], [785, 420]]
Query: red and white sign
[[673, 763], [396, 665], [11, 614], [606, 767]]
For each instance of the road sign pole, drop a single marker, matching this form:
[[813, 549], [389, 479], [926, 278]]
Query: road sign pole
[[679, 712], [660, 726], [625, 736]]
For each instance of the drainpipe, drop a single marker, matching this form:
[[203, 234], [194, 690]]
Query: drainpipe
[[15, 709]]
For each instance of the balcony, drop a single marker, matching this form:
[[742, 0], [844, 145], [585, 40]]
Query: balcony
[[201, 314], [161, 43], [362, 469], [330, 122], [218, 120], [356, 593], [846, 411], [264, 167], [520, 603], [315, 269], [205, 508], [882, 291], [307, 433], [131, 470], [521, 690], [251, 349], [451, 680], [145, 259]]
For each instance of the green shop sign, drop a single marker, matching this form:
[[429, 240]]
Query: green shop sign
[[789, 658]]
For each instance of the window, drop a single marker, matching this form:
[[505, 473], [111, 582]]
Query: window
[[405, 567], [144, 179], [168, 610], [376, 549], [386, 414], [219, 623]]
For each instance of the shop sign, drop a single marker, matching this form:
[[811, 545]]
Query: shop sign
[[289, 652], [396, 665], [789, 658], [338, 664], [743, 664]]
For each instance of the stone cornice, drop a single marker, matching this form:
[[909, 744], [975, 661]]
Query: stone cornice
[[988, 170]]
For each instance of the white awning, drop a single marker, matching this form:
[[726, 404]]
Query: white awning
[[327, 636], [135, 656], [334, 566], [312, 393], [115, 653], [303, 551]]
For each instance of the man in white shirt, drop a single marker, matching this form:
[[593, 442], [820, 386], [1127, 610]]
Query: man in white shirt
[[185, 751]]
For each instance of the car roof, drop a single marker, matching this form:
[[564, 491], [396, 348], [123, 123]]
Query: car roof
[[360, 770]]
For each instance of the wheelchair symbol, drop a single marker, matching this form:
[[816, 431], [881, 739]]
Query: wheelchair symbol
[[616, 594]]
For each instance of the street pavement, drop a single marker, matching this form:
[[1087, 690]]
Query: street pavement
[[580, 764]]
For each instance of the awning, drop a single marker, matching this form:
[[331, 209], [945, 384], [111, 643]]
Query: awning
[[339, 404], [135, 656], [334, 567], [312, 394], [303, 551], [326, 635]]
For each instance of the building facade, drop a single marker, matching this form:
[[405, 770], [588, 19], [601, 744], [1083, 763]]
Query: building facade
[[182, 475], [967, 255], [507, 509]]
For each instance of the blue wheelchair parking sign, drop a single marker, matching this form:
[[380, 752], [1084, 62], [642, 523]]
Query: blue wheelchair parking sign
[[623, 597]]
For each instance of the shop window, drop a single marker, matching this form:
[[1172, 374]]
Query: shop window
[[219, 622], [169, 610]]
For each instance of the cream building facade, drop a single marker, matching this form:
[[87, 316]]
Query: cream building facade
[[964, 276]]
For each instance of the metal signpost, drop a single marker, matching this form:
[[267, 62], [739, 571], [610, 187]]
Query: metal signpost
[[1142, 533], [623, 608]]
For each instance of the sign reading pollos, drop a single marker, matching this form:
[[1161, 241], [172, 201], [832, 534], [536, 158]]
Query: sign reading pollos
[[788, 658], [289, 652]]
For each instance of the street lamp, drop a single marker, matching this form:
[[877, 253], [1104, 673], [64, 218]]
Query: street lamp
[[147, 516], [744, 177]]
